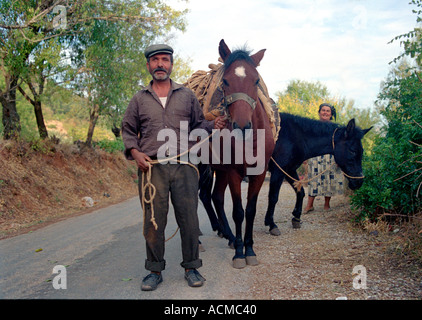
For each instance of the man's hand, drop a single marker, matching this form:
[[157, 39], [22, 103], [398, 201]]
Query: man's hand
[[142, 160], [220, 122]]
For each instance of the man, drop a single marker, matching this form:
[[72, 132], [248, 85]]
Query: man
[[163, 104]]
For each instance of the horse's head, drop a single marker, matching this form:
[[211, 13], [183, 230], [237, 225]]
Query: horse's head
[[240, 84], [348, 152]]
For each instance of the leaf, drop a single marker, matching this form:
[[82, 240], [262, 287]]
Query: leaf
[[126, 279], [38, 250]]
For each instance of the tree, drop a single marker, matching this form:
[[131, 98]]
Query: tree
[[25, 26], [394, 170], [303, 98]]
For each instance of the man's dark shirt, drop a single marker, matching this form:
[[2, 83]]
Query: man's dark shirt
[[146, 116]]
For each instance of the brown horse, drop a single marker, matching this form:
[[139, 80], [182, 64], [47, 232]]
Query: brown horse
[[251, 145]]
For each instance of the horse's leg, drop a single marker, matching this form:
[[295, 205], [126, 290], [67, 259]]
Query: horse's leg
[[255, 184], [276, 181], [206, 179], [238, 216], [297, 211], [218, 200]]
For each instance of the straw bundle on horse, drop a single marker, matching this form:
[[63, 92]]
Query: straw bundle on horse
[[207, 86]]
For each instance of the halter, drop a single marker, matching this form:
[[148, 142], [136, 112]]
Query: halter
[[351, 177], [228, 100]]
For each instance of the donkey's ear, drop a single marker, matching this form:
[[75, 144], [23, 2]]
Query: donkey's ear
[[350, 128], [257, 57], [223, 50], [365, 131]]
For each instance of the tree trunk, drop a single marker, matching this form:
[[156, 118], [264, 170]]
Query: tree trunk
[[11, 119], [42, 129], [93, 117], [36, 102]]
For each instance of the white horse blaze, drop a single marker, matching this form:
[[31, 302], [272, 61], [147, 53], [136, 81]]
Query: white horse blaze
[[240, 72]]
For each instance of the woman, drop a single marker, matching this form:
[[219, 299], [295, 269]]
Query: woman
[[330, 182]]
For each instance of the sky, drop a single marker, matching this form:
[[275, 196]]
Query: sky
[[341, 43]]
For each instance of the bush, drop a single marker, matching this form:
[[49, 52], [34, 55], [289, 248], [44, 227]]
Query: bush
[[390, 186], [393, 171], [110, 146]]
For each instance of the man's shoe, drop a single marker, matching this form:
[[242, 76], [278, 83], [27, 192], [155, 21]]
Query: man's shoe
[[194, 278], [151, 282]]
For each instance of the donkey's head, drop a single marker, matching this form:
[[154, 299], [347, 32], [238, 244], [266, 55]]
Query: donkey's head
[[348, 152]]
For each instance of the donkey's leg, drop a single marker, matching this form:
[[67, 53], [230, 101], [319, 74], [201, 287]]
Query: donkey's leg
[[297, 211], [276, 181], [218, 200]]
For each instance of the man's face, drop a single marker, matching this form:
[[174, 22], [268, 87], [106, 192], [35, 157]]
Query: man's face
[[160, 66]]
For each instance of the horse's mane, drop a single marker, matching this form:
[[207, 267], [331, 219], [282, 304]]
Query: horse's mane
[[308, 125], [239, 54]]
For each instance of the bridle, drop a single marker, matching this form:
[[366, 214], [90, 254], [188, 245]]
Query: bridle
[[232, 98], [332, 141]]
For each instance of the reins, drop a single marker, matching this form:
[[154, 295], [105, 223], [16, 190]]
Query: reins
[[299, 183]]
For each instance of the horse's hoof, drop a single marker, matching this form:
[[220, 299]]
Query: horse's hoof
[[251, 261], [231, 245], [239, 263], [275, 231], [296, 224], [220, 234]]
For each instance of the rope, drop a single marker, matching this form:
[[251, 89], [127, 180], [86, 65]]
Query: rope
[[298, 183], [151, 188]]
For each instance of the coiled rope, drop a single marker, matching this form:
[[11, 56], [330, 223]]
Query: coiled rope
[[146, 175]]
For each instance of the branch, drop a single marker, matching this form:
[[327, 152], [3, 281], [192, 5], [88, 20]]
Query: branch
[[417, 123], [415, 143], [420, 80], [26, 96], [34, 19], [416, 170]]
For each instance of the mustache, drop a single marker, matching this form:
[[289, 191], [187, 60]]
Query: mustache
[[159, 69]]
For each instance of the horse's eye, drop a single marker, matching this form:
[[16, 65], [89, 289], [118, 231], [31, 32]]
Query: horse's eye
[[225, 82], [257, 82]]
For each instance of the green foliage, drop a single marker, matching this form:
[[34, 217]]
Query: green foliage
[[111, 146], [412, 41], [393, 171], [388, 188]]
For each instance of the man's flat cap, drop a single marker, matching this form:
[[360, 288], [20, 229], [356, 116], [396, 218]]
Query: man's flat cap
[[158, 48]]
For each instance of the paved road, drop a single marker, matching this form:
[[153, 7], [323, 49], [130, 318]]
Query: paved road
[[103, 253]]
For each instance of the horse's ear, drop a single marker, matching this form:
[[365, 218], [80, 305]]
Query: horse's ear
[[365, 131], [257, 57], [350, 128], [224, 50]]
